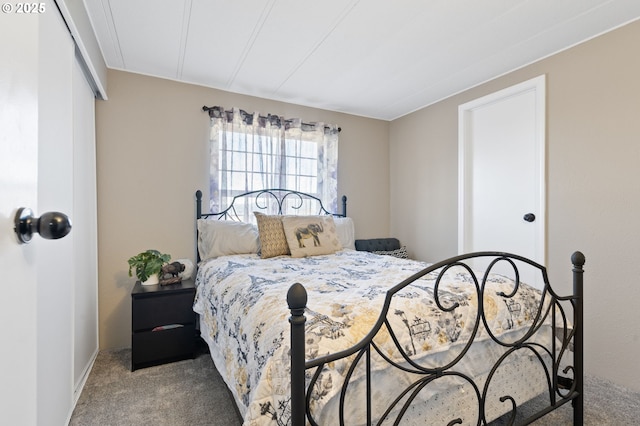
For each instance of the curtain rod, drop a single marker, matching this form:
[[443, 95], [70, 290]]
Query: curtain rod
[[207, 109]]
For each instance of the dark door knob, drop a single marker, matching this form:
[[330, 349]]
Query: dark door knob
[[51, 225], [529, 217]]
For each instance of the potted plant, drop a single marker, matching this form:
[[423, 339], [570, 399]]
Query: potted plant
[[148, 265]]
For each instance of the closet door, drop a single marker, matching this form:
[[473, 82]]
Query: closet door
[[55, 262], [85, 223]]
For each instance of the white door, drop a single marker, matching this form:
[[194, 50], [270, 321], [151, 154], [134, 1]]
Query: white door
[[18, 188], [55, 264], [502, 173], [36, 160], [85, 238]]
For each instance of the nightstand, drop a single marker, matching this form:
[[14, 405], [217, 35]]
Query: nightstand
[[163, 324]]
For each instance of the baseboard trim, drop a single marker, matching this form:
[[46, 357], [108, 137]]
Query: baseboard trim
[[77, 391]]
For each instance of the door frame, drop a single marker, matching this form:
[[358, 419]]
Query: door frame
[[538, 86]]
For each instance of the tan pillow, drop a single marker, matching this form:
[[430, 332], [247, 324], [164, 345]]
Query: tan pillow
[[311, 235], [272, 240]]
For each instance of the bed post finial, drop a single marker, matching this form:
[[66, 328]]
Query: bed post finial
[[297, 300], [198, 204], [578, 260]]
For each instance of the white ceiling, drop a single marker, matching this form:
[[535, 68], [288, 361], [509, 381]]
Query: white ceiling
[[375, 58]]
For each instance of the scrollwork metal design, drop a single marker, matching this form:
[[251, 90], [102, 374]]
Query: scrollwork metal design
[[261, 198], [550, 310]]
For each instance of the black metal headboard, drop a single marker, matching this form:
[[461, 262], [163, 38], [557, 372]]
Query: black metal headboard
[[261, 200]]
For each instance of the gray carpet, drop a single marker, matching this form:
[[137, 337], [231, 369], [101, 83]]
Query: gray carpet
[[189, 392], [605, 404], [192, 393]]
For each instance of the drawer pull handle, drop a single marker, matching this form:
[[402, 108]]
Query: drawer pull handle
[[167, 327]]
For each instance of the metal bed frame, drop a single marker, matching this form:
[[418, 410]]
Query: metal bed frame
[[561, 388], [263, 199], [563, 385]]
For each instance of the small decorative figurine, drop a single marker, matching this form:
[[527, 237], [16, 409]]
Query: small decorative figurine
[[171, 273]]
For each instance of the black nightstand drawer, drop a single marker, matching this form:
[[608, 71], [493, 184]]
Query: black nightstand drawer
[[156, 347], [155, 306], [163, 310]]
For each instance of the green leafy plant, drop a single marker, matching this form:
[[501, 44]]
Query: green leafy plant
[[147, 263]]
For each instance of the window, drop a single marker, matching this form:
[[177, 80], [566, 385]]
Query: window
[[250, 154]]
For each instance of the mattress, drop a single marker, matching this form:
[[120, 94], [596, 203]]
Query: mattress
[[241, 300]]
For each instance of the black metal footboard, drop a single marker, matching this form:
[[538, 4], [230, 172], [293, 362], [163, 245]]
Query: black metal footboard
[[561, 361]]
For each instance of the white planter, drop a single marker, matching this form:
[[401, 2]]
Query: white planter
[[152, 280]]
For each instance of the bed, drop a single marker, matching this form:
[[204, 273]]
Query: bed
[[375, 339]]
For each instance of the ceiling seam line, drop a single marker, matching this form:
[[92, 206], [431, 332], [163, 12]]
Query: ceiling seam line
[[488, 59], [184, 36], [115, 31], [252, 39], [345, 13]]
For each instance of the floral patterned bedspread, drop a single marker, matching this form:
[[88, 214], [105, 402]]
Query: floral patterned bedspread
[[242, 300]]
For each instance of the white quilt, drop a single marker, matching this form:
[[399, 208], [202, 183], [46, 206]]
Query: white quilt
[[242, 303]]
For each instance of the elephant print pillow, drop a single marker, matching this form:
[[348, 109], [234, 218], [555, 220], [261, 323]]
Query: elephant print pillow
[[311, 235]]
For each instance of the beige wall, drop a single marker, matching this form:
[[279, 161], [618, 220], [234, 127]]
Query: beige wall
[[593, 193], [152, 148]]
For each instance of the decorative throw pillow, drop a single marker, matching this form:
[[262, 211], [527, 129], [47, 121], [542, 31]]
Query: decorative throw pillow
[[272, 240], [225, 237], [346, 232], [401, 252], [311, 235]]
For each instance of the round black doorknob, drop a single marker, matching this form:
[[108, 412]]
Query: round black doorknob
[[51, 225], [529, 217]]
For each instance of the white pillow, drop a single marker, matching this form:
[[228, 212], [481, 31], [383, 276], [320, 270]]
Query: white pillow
[[225, 237], [346, 232], [311, 235]]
